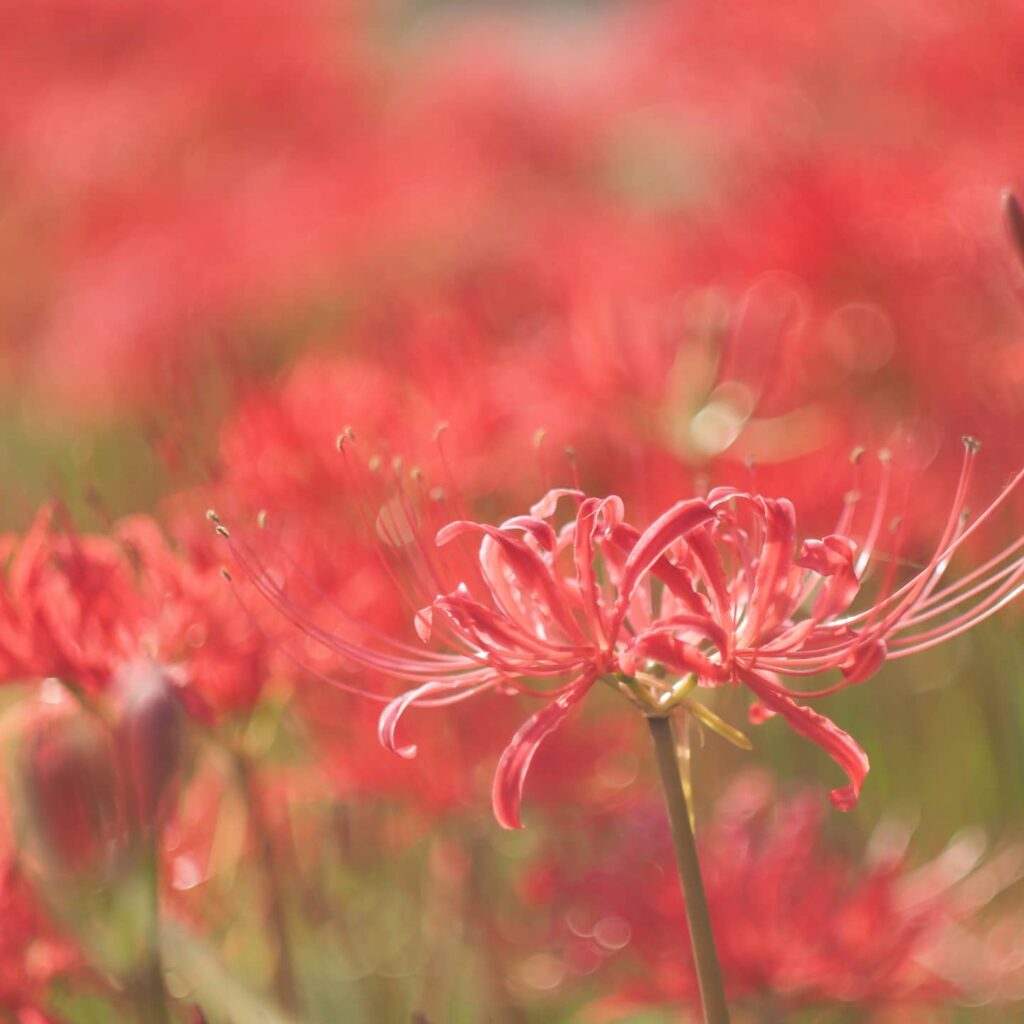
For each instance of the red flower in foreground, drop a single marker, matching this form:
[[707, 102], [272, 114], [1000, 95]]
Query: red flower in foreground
[[714, 592]]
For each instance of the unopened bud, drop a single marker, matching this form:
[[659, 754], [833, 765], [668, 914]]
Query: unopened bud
[[150, 741], [66, 774]]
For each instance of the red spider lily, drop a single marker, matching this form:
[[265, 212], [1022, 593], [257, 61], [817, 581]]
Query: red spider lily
[[83, 608], [714, 592], [798, 920]]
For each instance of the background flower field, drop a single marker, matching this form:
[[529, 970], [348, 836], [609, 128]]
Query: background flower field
[[641, 247]]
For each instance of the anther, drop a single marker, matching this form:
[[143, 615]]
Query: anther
[[223, 531], [226, 575], [397, 464], [884, 455], [261, 518], [374, 463], [538, 437], [416, 473], [212, 516], [437, 494], [857, 454], [972, 444], [439, 430]]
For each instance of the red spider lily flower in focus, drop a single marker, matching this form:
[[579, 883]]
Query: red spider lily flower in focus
[[714, 592], [798, 920]]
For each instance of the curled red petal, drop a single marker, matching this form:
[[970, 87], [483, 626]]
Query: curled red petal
[[773, 565], [675, 524], [864, 662], [840, 746], [387, 724], [679, 657], [496, 634], [833, 558], [541, 531], [510, 776], [533, 574], [545, 508], [677, 579], [708, 567], [583, 556]]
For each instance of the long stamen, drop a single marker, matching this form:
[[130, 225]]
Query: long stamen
[[981, 611], [877, 518], [896, 603], [961, 536], [370, 519], [934, 610], [1009, 596], [402, 668]]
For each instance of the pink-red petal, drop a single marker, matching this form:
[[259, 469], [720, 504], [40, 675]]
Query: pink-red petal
[[510, 776], [387, 724], [840, 746], [678, 657], [675, 524]]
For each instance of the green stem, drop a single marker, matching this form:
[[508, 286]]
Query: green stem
[[702, 941], [148, 993], [147, 986], [284, 967]]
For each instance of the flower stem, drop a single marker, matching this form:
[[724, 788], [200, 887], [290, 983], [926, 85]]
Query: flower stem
[[147, 985], [284, 980], [705, 956], [148, 993]]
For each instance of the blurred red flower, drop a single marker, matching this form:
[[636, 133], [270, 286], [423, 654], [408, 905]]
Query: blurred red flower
[[84, 607], [798, 920]]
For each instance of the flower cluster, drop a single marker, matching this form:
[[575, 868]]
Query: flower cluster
[[82, 607], [678, 257]]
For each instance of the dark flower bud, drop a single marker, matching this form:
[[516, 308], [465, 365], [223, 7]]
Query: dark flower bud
[[150, 740]]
